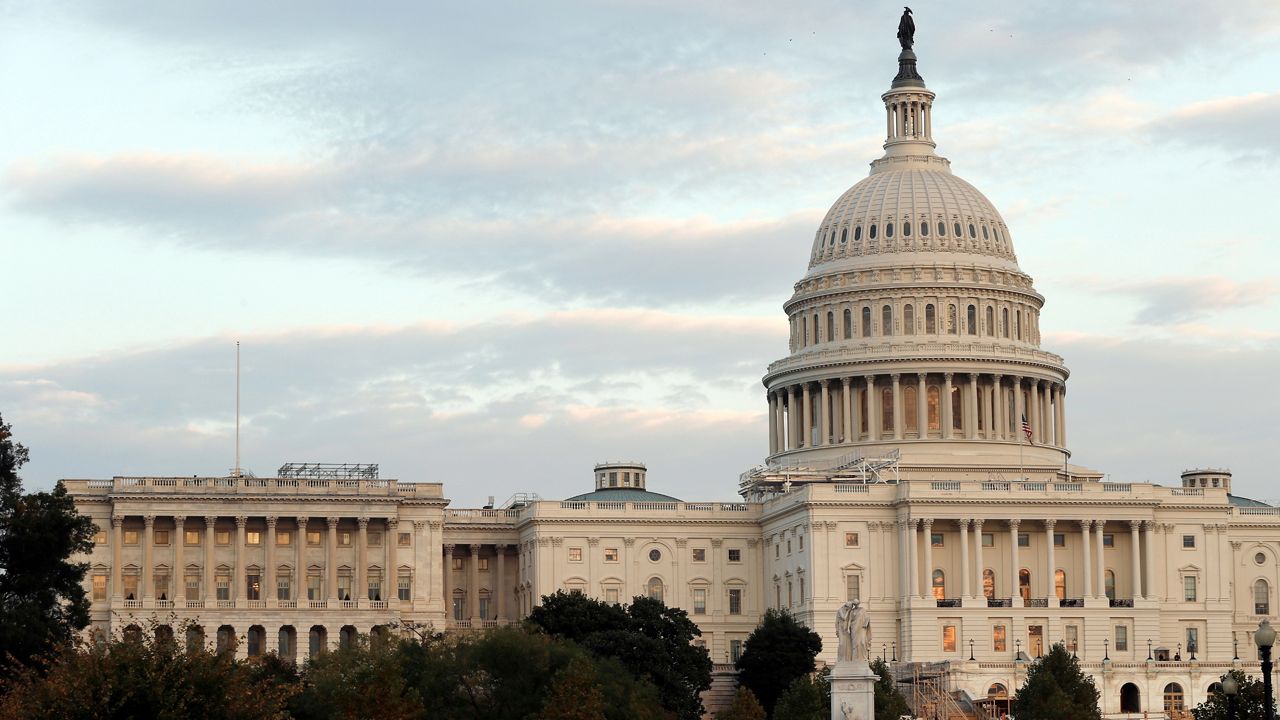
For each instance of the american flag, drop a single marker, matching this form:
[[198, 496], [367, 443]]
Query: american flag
[[1026, 427]]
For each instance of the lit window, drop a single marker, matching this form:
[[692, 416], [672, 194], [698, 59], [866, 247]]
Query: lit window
[[989, 583], [735, 554], [253, 537], [735, 602], [284, 537], [223, 585], [161, 537], [253, 585], [99, 587], [998, 641], [130, 537], [939, 585], [611, 596], [851, 539], [1060, 585], [699, 601], [575, 554], [654, 589], [192, 584], [1109, 584], [611, 554], [699, 554], [935, 539], [283, 587], [344, 538], [948, 638], [1024, 584], [191, 537], [223, 537], [100, 537], [313, 537]]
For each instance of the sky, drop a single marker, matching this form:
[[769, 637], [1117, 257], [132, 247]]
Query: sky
[[491, 244]]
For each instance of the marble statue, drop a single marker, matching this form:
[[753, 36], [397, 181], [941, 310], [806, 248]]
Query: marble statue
[[853, 631]]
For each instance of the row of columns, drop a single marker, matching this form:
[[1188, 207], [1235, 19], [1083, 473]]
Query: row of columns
[[917, 577], [897, 113], [471, 594], [829, 412], [267, 578]]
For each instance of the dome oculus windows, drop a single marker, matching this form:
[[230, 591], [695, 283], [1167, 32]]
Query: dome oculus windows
[[906, 229], [872, 233], [655, 555], [942, 229], [857, 233], [958, 232], [888, 230]]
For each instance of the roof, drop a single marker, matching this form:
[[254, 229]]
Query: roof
[[623, 495], [1244, 501]]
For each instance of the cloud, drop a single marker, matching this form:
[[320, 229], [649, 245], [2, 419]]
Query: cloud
[[1246, 126], [1180, 300]]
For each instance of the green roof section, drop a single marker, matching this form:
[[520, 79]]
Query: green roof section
[[1245, 502], [623, 495]]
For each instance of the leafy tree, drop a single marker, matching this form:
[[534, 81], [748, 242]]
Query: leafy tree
[[889, 702], [42, 598], [341, 684], [652, 641], [804, 700], [777, 652], [1056, 689], [575, 695], [745, 707], [1250, 700]]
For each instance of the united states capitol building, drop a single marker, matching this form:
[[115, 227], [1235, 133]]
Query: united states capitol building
[[918, 460]]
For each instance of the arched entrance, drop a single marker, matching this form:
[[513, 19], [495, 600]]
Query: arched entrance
[[996, 703], [1130, 699], [195, 638], [1173, 698], [317, 641], [347, 636], [288, 647], [257, 640], [226, 639]]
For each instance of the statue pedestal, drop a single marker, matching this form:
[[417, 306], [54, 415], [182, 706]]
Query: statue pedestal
[[853, 691]]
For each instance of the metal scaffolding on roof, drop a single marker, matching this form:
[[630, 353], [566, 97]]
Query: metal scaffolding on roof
[[329, 471]]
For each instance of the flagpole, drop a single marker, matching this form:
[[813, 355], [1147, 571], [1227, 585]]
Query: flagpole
[[236, 472]]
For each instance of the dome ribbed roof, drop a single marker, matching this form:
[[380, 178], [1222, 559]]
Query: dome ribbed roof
[[899, 211], [622, 495]]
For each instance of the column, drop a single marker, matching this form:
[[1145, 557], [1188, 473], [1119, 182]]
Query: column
[[210, 592], [448, 582], [239, 579], [117, 559], [269, 572], [500, 559], [177, 576], [300, 562], [824, 414], [922, 406], [148, 570], [873, 409], [998, 420], [1046, 411], [913, 544], [927, 590], [945, 403], [964, 560], [773, 423], [1062, 425], [362, 561], [898, 420], [806, 417], [780, 433], [1014, 566], [855, 421], [473, 582], [391, 575], [978, 567], [1033, 412], [1087, 554], [850, 431], [1102, 565], [971, 430], [1136, 557], [1050, 583], [1149, 575], [904, 572], [793, 420], [989, 403], [1019, 410], [332, 569]]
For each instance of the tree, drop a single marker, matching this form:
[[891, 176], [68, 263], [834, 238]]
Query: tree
[[745, 707], [652, 641], [804, 700], [42, 598], [889, 703], [574, 695], [1056, 689], [1250, 700], [777, 652]]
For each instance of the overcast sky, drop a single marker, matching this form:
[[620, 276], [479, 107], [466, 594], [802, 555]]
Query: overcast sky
[[490, 244]]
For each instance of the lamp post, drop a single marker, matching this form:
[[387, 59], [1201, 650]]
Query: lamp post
[[1264, 638], [970, 648], [1229, 688], [884, 652], [1235, 647], [1149, 649], [1106, 649], [1017, 655], [895, 650]]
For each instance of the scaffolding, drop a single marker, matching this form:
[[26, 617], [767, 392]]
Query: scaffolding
[[930, 693], [329, 471], [776, 476]]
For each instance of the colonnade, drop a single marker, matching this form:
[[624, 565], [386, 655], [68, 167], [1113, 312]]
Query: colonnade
[[463, 594], [911, 117], [896, 406]]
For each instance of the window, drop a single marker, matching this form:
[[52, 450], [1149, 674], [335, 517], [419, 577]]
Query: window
[[100, 537], [939, 585], [988, 540], [344, 587], [788, 547], [654, 588], [1024, 540], [192, 585], [952, 327], [344, 538], [404, 539], [906, 229], [935, 539], [888, 230], [1024, 584], [871, 233], [699, 554], [777, 550], [801, 539], [161, 537], [1073, 637], [253, 584], [999, 641], [191, 537], [313, 537], [457, 564], [458, 602], [848, 324], [971, 320], [99, 587], [130, 587], [1260, 558], [699, 601], [934, 399], [375, 539], [735, 601], [611, 554], [1059, 540], [315, 587], [253, 537], [909, 320], [483, 610], [1188, 541], [990, 328], [985, 236], [948, 638], [404, 588], [282, 587], [1109, 584], [857, 233], [284, 537], [853, 587], [831, 326], [886, 320], [1261, 598], [482, 564], [972, 233], [924, 228], [886, 410], [989, 583], [801, 591], [1193, 640], [1060, 584], [223, 585], [611, 596], [942, 229], [1122, 638], [1189, 588], [735, 554], [930, 320], [1004, 322], [655, 555], [735, 645], [575, 554], [130, 537], [866, 322], [1108, 540], [851, 539]]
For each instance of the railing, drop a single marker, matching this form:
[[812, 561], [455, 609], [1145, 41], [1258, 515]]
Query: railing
[[1068, 487], [246, 485], [949, 603], [317, 604], [665, 506], [1001, 486], [999, 602], [288, 604], [945, 485], [164, 604], [348, 604], [1037, 602], [378, 604], [698, 506], [1258, 510], [226, 603], [194, 604], [257, 603], [1120, 602], [1117, 487], [613, 505], [1188, 492], [1071, 602], [1034, 486], [133, 603], [853, 488]]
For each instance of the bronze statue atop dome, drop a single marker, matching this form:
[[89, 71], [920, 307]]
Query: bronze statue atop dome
[[906, 29]]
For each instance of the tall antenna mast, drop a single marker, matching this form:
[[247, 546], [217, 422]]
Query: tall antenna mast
[[236, 471]]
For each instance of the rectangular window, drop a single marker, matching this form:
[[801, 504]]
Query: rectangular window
[[131, 587], [404, 539], [161, 537], [99, 587], [735, 650], [1189, 588], [611, 554], [282, 587], [222, 537], [457, 607], [344, 538], [284, 537], [1073, 637], [375, 588], [191, 537], [1024, 540], [1193, 640], [935, 539], [161, 585], [313, 537], [735, 555], [1188, 541], [192, 584], [252, 537], [575, 554], [315, 587], [484, 607], [988, 540], [699, 601], [344, 587], [254, 586], [457, 563], [611, 596], [404, 588], [949, 638], [851, 539], [1059, 540], [802, 542], [1108, 540], [999, 643], [482, 564], [777, 550], [735, 602], [699, 554], [853, 587], [223, 585], [130, 537], [100, 537], [788, 547], [375, 539], [1122, 638]]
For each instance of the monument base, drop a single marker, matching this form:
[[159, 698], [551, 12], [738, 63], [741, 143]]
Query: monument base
[[853, 691]]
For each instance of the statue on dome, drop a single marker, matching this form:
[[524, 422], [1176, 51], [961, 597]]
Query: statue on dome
[[853, 632], [906, 29]]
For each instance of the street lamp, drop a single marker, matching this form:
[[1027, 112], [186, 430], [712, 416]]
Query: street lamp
[[895, 650], [1017, 655], [1149, 649], [1264, 638], [1229, 688], [970, 648], [1235, 647], [1106, 651], [884, 651]]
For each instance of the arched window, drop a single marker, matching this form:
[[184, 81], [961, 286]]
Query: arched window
[[817, 337], [886, 320], [939, 585], [1173, 700], [1017, 324], [952, 329], [990, 329], [804, 331], [906, 229], [866, 322], [1130, 699], [848, 324], [956, 228], [872, 233], [909, 320], [654, 589], [1060, 584], [924, 229], [985, 236], [997, 692], [934, 408], [910, 409], [971, 320], [1004, 322], [942, 229], [972, 235], [831, 326], [930, 320], [1109, 584], [1024, 584], [886, 409], [888, 230], [857, 233], [989, 583], [1261, 598], [844, 235]]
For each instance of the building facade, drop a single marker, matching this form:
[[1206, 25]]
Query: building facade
[[917, 460]]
